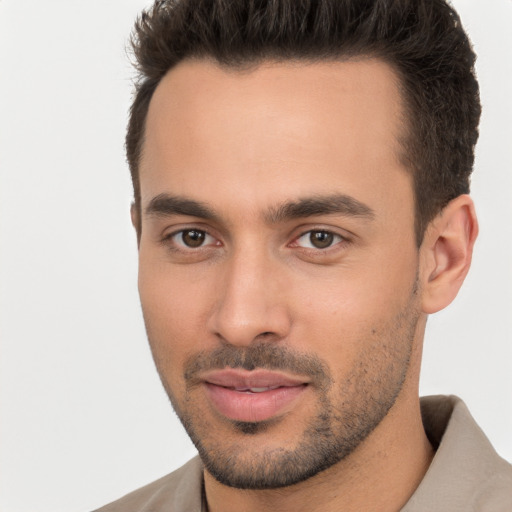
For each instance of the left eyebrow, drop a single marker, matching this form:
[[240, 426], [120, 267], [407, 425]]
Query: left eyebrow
[[340, 204]]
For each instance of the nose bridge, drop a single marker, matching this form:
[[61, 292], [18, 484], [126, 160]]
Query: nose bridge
[[249, 303]]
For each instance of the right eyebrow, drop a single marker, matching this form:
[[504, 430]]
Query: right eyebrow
[[164, 205]]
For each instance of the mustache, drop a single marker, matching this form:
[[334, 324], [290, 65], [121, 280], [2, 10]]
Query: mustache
[[265, 356]]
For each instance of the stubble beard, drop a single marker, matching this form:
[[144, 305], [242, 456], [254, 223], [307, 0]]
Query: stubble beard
[[347, 411]]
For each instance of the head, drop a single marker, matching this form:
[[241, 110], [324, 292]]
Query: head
[[299, 172]]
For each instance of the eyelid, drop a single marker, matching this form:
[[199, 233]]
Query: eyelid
[[177, 241], [345, 235], [168, 238], [337, 239]]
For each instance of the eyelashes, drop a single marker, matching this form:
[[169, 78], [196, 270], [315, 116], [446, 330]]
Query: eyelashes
[[318, 239], [194, 239]]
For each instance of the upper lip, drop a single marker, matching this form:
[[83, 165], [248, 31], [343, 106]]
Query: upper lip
[[259, 378]]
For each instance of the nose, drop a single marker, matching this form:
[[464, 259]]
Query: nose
[[250, 304]]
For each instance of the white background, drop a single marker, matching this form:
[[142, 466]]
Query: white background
[[83, 416]]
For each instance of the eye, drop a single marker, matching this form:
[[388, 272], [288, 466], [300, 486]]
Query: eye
[[318, 239], [193, 238]]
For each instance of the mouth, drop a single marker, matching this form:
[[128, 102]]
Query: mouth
[[252, 396]]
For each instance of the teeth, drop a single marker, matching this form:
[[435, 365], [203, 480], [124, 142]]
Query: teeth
[[256, 390]]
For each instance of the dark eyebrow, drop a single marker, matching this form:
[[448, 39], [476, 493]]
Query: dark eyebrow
[[165, 204], [341, 204], [319, 205]]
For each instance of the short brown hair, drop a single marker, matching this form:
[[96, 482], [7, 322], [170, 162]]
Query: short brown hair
[[423, 40]]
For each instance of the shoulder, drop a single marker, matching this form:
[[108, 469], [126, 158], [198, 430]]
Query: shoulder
[[466, 473], [178, 491], [495, 494]]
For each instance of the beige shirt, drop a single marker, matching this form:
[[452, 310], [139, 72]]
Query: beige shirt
[[466, 474]]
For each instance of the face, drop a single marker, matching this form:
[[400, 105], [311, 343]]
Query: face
[[278, 268]]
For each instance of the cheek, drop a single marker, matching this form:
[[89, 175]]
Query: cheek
[[346, 308], [172, 296], [174, 315]]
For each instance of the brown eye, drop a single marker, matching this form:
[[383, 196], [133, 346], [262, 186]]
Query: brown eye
[[321, 239], [191, 242], [192, 238], [318, 239]]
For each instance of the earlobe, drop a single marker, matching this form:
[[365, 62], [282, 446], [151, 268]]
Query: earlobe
[[135, 216], [446, 253]]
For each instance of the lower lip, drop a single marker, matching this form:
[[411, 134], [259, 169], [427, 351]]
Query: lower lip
[[252, 407]]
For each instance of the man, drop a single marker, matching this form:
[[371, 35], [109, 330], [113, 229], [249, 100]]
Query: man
[[301, 178]]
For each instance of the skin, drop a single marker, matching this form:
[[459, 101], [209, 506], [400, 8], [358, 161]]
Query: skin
[[242, 145]]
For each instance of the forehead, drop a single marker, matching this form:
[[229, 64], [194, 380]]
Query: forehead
[[275, 130]]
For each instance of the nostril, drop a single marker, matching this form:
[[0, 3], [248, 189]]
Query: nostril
[[266, 337]]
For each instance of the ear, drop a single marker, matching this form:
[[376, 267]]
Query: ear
[[446, 253], [136, 222]]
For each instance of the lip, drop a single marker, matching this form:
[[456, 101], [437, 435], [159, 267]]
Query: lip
[[235, 378], [229, 392]]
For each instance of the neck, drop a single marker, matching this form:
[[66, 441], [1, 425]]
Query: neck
[[380, 475]]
